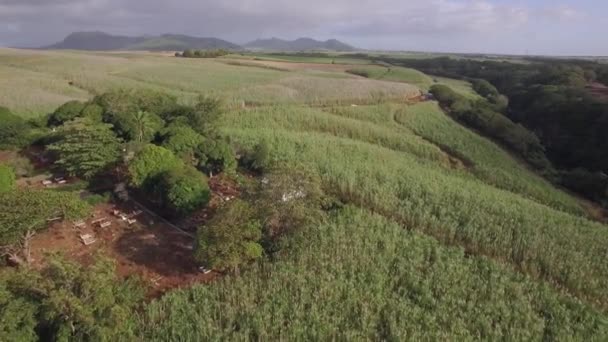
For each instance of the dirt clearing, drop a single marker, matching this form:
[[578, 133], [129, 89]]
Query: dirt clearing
[[149, 248]]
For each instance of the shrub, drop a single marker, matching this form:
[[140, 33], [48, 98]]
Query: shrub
[[7, 178], [230, 238], [13, 129], [215, 156], [96, 199], [289, 198], [66, 112]]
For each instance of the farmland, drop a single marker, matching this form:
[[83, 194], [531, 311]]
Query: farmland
[[433, 230]]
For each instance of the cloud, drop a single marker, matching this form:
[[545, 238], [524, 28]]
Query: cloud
[[41, 22], [563, 13]]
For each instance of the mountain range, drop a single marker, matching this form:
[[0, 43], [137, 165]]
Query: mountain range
[[178, 42], [301, 44], [104, 41]]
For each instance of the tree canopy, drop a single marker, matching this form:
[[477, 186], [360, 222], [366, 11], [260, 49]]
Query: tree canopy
[[183, 190], [85, 148], [68, 302], [66, 112], [231, 238], [28, 210], [150, 163]]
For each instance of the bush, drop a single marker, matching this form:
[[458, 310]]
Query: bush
[[92, 111], [183, 191], [66, 112], [230, 238], [22, 166], [215, 156], [96, 199], [289, 198], [7, 178], [13, 129]]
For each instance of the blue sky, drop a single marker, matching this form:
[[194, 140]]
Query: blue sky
[[491, 26]]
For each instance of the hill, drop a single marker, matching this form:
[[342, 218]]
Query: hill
[[104, 41], [301, 44]]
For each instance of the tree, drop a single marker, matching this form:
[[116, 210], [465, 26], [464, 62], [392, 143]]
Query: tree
[[7, 178], [230, 238], [290, 197], [70, 302], [183, 190], [122, 109], [215, 156], [144, 126], [66, 112], [150, 163], [206, 114], [13, 129], [85, 148], [17, 316], [24, 212], [92, 111], [182, 140]]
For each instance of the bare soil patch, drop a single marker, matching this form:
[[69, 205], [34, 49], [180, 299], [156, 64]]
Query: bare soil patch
[[598, 90], [151, 249]]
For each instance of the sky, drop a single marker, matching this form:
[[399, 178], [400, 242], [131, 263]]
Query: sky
[[535, 27]]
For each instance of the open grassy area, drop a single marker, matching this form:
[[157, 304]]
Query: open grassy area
[[415, 77], [52, 78]]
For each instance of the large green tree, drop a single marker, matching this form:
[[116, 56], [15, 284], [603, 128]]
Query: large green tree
[[28, 210], [136, 114], [150, 163], [183, 141], [183, 190], [231, 238], [85, 147], [68, 302]]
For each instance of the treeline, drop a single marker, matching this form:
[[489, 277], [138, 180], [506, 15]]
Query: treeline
[[202, 53], [484, 115], [551, 99]]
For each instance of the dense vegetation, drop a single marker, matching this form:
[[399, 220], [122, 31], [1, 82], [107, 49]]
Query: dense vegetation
[[202, 53], [344, 221], [360, 277], [551, 99]]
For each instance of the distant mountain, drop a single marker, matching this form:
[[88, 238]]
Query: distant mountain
[[301, 44], [166, 42]]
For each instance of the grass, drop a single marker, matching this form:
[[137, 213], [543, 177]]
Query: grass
[[49, 73], [414, 77], [361, 277], [563, 249]]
